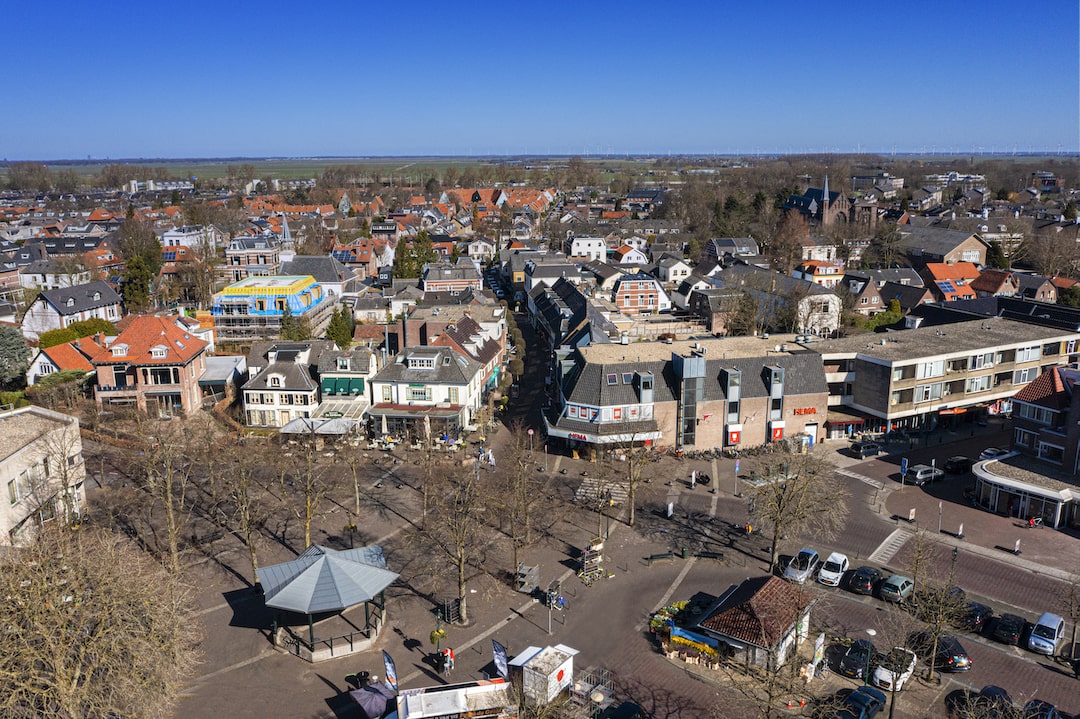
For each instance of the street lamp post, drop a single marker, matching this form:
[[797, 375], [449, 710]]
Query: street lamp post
[[869, 656]]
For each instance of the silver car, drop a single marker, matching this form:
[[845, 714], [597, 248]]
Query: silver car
[[802, 566]]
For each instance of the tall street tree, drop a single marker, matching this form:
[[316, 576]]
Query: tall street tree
[[797, 496], [92, 629]]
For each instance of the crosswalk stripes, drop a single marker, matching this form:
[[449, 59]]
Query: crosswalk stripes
[[861, 477], [591, 490], [888, 548]]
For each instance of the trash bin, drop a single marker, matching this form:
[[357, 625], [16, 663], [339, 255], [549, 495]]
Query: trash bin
[[685, 553]]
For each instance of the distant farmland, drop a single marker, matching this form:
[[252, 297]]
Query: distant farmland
[[285, 168]]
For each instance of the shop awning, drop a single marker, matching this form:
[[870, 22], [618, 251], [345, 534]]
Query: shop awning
[[954, 410], [840, 419]]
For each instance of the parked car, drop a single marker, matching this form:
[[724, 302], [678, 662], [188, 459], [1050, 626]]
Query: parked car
[[857, 659], [922, 474], [863, 703], [1038, 709], [836, 565], [862, 450], [897, 588], [958, 464], [996, 700], [993, 453], [976, 617], [802, 566], [1007, 629], [950, 656], [1047, 634], [865, 580], [895, 668]]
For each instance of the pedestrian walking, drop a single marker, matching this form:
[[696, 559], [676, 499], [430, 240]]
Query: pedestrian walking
[[1075, 661]]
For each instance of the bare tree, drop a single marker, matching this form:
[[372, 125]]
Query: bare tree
[[894, 629], [1069, 601], [523, 491], [1052, 255], [303, 474], [628, 445], [92, 629], [243, 500], [798, 495], [456, 529], [163, 466], [939, 607], [785, 246]]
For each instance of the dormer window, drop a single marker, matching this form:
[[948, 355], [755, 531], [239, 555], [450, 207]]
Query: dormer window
[[97, 296], [70, 302], [158, 352], [275, 381], [343, 363], [119, 350]]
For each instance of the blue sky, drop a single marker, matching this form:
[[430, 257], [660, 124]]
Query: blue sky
[[199, 79]]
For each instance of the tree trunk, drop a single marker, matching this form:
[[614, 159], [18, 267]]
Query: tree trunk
[[172, 528], [463, 606], [774, 556]]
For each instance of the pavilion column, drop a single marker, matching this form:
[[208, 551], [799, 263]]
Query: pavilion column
[[311, 631]]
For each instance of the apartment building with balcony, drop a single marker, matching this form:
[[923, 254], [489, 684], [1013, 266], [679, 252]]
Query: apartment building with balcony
[[928, 377], [153, 366]]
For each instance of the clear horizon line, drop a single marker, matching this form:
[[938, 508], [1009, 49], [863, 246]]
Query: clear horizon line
[[931, 151]]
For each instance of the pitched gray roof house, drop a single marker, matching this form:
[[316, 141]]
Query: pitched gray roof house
[[80, 298], [450, 367], [324, 268]]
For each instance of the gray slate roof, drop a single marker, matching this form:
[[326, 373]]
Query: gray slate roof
[[323, 268], [587, 382], [86, 297], [934, 241], [459, 370], [295, 376], [751, 278]]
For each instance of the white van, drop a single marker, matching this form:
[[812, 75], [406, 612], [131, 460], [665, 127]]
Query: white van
[[1047, 634]]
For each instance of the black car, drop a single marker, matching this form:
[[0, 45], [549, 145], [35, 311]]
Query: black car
[[959, 464], [950, 657], [865, 580], [863, 703], [862, 450], [1038, 709], [1007, 629], [976, 617], [856, 660]]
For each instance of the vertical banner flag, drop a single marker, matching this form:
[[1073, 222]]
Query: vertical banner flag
[[501, 662], [391, 671]]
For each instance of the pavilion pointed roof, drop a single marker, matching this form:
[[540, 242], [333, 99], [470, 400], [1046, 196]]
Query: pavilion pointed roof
[[326, 580]]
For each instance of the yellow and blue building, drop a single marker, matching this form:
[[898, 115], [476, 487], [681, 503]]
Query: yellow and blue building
[[252, 309]]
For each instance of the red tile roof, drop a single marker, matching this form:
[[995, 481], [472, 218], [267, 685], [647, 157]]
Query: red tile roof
[[954, 271], [73, 355], [760, 611], [145, 332], [1046, 390]]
